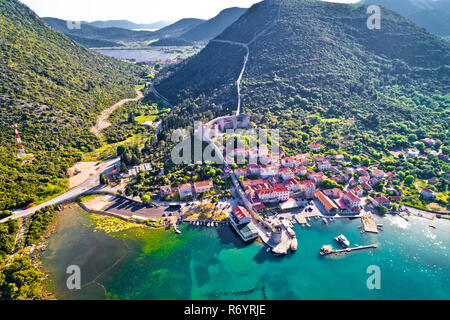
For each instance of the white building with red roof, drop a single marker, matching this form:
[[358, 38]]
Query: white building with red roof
[[287, 174], [324, 165], [241, 172], [428, 194], [314, 147], [377, 173], [241, 215], [358, 191], [334, 193], [308, 187], [381, 201], [203, 186], [185, 190], [351, 199]]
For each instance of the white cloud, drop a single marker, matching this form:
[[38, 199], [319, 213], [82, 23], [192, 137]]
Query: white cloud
[[141, 11]]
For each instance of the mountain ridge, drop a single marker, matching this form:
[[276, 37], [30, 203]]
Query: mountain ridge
[[321, 59], [53, 89], [214, 26]]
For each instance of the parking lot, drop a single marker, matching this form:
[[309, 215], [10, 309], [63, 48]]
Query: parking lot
[[129, 208]]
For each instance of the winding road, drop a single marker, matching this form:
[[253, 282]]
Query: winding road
[[102, 120], [247, 55]]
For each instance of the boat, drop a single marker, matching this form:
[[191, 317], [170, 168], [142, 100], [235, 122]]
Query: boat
[[308, 225], [178, 231], [278, 252], [432, 226], [325, 221], [294, 244], [326, 250], [380, 225], [342, 241], [209, 224]]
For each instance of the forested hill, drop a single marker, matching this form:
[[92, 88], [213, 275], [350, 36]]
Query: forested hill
[[53, 89], [433, 15], [215, 26], [374, 86]]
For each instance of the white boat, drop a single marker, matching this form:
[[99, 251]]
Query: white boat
[[294, 244], [342, 241], [325, 220], [209, 224]]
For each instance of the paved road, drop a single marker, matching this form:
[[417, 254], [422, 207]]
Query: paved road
[[91, 184]]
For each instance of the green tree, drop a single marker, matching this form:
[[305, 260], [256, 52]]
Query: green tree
[[103, 180], [409, 180]]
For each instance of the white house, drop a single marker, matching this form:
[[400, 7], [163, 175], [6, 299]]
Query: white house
[[185, 190]]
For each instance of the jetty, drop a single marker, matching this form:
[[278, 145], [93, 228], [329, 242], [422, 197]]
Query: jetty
[[369, 224], [327, 250]]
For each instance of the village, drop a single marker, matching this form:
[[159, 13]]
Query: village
[[268, 199]]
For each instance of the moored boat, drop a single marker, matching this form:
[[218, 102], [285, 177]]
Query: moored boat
[[294, 244], [342, 241]]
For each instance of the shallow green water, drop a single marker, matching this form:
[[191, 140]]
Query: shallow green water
[[213, 263]]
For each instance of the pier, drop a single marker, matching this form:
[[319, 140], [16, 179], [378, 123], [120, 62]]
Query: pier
[[328, 251], [368, 223]]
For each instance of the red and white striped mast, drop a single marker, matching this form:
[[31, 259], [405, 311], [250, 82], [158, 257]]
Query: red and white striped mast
[[22, 152]]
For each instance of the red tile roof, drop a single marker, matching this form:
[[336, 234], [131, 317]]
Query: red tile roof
[[241, 212], [325, 200]]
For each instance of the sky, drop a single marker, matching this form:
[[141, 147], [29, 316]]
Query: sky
[[139, 11]]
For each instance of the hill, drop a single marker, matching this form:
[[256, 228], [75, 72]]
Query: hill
[[168, 42], [215, 26], [94, 43], [87, 31], [125, 24], [178, 28], [320, 75], [433, 15], [53, 89]]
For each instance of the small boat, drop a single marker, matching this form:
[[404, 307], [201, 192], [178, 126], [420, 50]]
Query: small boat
[[268, 249], [380, 225], [178, 231], [294, 244], [209, 224], [342, 241], [308, 225], [325, 221], [432, 226], [278, 253]]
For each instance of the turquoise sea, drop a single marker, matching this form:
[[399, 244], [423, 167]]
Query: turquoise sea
[[209, 263]]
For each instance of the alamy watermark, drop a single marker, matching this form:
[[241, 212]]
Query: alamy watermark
[[374, 280], [374, 20], [74, 280], [73, 25]]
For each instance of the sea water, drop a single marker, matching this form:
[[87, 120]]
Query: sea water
[[213, 263]]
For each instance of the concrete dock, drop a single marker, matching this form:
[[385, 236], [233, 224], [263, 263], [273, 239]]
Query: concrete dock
[[369, 224], [348, 250]]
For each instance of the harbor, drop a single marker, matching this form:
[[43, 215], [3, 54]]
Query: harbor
[[233, 265]]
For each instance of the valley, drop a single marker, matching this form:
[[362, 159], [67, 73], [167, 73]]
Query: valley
[[358, 143]]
